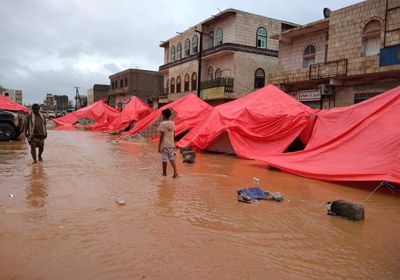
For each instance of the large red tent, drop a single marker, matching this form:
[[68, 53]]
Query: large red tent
[[264, 122], [135, 110], [9, 105], [99, 112], [188, 111], [355, 143]]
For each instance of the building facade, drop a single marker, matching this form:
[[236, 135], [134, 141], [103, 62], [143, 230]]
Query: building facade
[[351, 55], [235, 51], [14, 94], [97, 92], [56, 102], [144, 84]]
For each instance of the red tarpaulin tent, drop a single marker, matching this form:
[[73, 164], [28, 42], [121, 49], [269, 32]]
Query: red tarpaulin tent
[[135, 110], [189, 110], [9, 105], [264, 122], [99, 112], [355, 143]]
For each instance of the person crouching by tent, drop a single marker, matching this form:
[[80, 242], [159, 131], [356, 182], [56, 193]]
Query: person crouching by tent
[[166, 146], [35, 131]]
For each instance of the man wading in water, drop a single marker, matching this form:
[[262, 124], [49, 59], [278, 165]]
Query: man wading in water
[[166, 145], [35, 131]]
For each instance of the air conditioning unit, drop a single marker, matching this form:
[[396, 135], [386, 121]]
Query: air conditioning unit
[[326, 89]]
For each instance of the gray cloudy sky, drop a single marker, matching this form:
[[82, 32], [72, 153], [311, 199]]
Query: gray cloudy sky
[[49, 46]]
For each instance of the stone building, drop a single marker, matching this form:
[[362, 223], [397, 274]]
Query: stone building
[[14, 94], [236, 54], [97, 92], [351, 55], [144, 84]]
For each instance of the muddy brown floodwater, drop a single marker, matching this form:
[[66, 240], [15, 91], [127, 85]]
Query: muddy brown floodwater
[[63, 222]]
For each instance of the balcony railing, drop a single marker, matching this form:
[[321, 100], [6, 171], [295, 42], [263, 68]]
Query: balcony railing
[[226, 82], [330, 69]]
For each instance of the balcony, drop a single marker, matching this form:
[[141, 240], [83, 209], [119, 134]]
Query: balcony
[[331, 69], [315, 72], [227, 47], [217, 88]]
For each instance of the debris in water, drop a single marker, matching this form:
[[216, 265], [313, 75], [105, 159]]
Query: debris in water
[[345, 209], [11, 195], [119, 200], [249, 194], [277, 197]]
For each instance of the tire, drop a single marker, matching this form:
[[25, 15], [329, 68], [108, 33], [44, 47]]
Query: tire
[[7, 132]]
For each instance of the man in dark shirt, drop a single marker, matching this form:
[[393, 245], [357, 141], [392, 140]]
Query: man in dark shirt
[[35, 131]]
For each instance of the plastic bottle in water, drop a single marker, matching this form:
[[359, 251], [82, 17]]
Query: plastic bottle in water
[[119, 200], [256, 181]]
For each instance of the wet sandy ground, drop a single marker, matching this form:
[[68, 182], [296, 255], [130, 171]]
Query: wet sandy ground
[[63, 221]]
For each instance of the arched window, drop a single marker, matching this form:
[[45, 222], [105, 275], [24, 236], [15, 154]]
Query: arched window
[[218, 73], [371, 38], [173, 85], [178, 84], [187, 47], [210, 39], [112, 85], [308, 56], [195, 44], [167, 87], [210, 73], [261, 38], [172, 54], [259, 78], [219, 36], [121, 83], [178, 51], [115, 84], [186, 83], [194, 81], [126, 82]]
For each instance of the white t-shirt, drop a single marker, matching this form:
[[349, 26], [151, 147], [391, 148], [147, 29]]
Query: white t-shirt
[[168, 127]]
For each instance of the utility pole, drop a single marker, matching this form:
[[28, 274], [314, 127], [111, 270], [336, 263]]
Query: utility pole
[[200, 54], [77, 97]]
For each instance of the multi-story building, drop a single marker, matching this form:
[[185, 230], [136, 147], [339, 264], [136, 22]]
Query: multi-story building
[[14, 94], [351, 55], [144, 84], [97, 92], [61, 102], [235, 51], [50, 102]]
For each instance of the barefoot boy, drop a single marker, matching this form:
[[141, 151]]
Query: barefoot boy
[[166, 145]]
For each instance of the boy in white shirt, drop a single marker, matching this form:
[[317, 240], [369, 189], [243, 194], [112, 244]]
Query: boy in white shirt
[[166, 145]]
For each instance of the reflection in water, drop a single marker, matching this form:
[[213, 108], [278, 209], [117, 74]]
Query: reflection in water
[[37, 190]]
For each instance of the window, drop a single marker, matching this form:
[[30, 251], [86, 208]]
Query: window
[[218, 73], [371, 38], [126, 82], [178, 51], [178, 84], [121, 83], [172, 85], [186, 83], [259, 78], [187, 47], [308, 56], [210, 73], [116, 85], [219, 37], [195, 44], [261, 38], [194, 81], [112, 85], [359, 97], [167, 88], [172, 53], [210, 39]]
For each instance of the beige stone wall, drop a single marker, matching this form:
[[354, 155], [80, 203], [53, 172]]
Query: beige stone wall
[[228, 28], [345, 34], [246, 26], [245, 65], [291, 54]]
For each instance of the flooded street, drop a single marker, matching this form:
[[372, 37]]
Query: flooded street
[[62, 221]]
